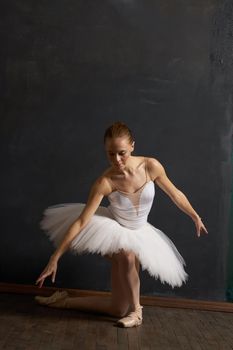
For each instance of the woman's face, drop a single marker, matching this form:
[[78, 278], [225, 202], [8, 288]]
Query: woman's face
[[118, 151]]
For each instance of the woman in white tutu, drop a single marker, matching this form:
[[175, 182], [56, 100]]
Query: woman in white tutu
[[119, 232]]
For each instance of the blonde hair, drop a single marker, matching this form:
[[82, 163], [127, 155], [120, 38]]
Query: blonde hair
[[118, 129]]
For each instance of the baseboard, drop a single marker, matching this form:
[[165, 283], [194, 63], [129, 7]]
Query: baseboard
[[170, 302]]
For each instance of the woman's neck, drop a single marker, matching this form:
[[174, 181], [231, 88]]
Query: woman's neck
[[130, 167]]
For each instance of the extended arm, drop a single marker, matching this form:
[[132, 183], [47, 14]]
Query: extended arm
[[100, 188], [159, 176], [98, 191]]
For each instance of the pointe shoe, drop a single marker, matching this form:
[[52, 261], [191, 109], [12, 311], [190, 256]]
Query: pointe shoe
[[133, 319], [52, 299]]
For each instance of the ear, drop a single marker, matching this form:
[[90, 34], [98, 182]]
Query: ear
[[133, 144]]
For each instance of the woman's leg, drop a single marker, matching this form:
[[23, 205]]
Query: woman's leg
[[129, 273], [115, 305], [120, 301], [137, 264]]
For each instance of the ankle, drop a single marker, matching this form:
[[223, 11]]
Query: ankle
[[134, 307]]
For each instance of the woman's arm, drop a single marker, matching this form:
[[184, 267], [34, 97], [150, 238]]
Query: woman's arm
[[159, 176], [100, 188]]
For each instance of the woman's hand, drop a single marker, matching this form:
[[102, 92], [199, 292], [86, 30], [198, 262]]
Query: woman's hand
[[200, 226], [50, 269]]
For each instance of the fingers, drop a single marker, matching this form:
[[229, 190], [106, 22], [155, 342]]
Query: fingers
[[50, 269], [45, 274], [40, 280], [41, 283], [201, 228], [54, 275], [198, 229]]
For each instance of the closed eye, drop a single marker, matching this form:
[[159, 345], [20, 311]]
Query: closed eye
[[120, 153]]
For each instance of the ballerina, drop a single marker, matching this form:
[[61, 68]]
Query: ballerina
[[119, 232]]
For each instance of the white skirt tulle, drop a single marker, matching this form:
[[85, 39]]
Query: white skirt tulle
[[104, 235]]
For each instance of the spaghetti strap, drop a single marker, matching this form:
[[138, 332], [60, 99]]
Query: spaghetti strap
[[113, 185], [145, 168]]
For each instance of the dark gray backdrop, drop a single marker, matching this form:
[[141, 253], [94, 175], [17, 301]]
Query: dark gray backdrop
[[71, 68]]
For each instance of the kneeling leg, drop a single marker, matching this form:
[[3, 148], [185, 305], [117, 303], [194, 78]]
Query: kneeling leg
[[115, 305]]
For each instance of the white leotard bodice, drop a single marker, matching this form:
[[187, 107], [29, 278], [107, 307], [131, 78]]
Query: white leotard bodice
[[132, 209]]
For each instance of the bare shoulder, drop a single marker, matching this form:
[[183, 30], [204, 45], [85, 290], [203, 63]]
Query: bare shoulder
[[102, 185], [154, 167]]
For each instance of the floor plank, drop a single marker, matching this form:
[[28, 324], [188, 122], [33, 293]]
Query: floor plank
[[25, 325]]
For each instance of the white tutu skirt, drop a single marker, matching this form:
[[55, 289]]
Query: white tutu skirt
[[104, 235]]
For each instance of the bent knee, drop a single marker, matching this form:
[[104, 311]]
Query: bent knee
[[127, 258]]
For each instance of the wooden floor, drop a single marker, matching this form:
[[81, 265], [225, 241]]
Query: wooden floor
[[24, 325]]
